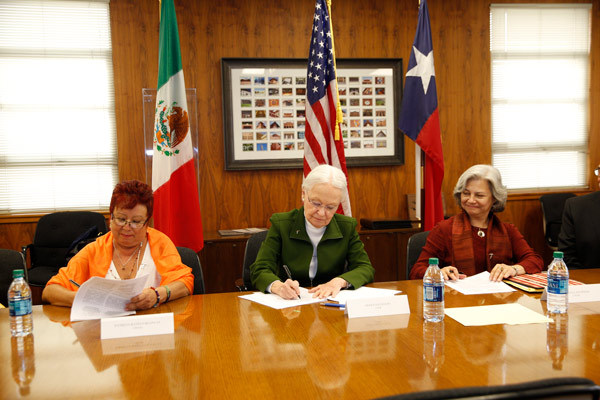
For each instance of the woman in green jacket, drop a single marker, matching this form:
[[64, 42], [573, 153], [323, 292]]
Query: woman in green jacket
[[320, 248]]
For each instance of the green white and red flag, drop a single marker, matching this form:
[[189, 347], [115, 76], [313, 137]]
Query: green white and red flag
[[174, 182]]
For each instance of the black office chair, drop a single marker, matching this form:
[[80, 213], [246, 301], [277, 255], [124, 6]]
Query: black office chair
[[555, 388], [552, 210], [54, 236], [9, 261], [413, 250], [190, 258], [252, 246]]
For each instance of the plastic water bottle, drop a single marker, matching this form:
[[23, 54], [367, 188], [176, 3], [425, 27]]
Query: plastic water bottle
[[433, 292], [558, 285], [19, 304]]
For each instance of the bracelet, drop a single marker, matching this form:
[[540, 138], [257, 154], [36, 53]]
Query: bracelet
[[157, 297], [168, 293]]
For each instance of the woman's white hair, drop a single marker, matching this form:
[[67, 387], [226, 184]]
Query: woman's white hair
[[490, 174], [326, 174]]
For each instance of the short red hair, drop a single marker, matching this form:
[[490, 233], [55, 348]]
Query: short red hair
[[128, 194]]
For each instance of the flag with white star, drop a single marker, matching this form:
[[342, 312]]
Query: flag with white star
[[419, 118], [321, 146]]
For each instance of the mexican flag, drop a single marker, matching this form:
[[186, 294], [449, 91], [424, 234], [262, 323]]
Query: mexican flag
[[176, 200]]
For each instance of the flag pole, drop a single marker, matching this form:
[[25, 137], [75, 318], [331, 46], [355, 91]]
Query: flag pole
[[339, 116]]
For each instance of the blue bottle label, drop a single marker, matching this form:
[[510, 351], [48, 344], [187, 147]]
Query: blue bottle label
[[558, 285], [433, 292], [19, 308]]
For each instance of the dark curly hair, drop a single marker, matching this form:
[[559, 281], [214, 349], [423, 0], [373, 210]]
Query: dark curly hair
[[128, 194]]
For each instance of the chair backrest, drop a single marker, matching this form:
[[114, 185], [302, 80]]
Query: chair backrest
[[56, 232], [252, 246], [9, 261], [413, 250], [190, 258], [552, 210], [548, 389]]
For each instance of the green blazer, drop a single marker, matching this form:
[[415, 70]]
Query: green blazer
[[340, 252]]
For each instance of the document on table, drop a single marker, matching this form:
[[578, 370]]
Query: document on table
[[274, 301], [362, 293], [479, 284], [100, 297], [510, 314]]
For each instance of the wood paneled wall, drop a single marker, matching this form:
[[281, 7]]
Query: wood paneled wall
[[211, 30]]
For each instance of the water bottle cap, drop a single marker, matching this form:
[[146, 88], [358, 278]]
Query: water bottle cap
[[18, 273], [433, 260], [558, 254]]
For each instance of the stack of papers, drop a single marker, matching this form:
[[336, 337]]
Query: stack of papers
[[479, 284], [236, 232], [274, 301], [533, 283]]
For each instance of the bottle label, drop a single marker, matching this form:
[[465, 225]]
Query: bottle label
[[19, 308], [433, 292], [558, 285]]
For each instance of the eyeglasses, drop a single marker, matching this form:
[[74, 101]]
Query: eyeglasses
[[597, 171], [319, 205], [133, 224]]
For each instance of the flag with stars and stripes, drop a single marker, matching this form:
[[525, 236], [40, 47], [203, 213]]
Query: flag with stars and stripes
[[419, 117], [323, 144]]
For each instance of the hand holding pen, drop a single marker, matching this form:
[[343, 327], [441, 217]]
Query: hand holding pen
[[290, 289]]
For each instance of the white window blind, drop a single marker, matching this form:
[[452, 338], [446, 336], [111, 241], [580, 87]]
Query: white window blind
[[57, 127], [540, 88]]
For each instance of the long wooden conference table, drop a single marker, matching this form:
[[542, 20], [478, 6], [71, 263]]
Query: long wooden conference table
[[228, 348]]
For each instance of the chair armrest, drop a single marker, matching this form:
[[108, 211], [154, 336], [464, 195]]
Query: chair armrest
[[24, 255]]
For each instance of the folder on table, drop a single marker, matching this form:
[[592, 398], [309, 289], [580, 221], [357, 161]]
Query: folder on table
[[533, 283]]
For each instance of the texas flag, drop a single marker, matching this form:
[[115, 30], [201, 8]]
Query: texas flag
[[176, 200], [419, 117]]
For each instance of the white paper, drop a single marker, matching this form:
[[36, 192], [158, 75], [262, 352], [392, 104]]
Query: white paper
[[377, 307], [274, 301], [100, 297], [479, 284], [510, 314], [363, 292], [137, 325], [584, 293]]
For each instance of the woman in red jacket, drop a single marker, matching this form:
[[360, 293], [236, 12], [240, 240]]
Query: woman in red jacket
[[476, 240]]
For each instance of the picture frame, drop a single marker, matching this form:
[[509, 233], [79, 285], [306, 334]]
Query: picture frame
[[264, 111]]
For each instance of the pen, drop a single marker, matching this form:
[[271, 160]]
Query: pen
[[333, 305], [74, 283], [289, 274]]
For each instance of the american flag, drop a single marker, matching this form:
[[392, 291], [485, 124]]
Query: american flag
[[321, 146]]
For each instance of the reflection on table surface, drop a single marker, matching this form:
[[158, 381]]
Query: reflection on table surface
[[227, 347]]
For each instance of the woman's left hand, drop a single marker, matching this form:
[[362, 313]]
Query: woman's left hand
[[331, 288], [143, 301], [503, 271]]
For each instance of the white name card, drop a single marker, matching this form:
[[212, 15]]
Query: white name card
[[377, 307], [136, 325], [580, 293]]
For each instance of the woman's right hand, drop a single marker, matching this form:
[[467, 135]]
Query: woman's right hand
[[289, 290], [451, 273]]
